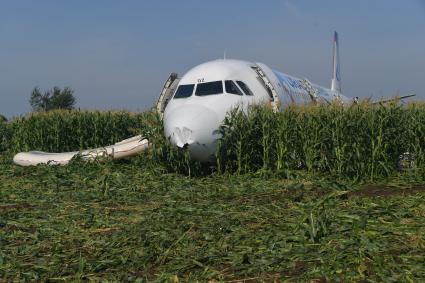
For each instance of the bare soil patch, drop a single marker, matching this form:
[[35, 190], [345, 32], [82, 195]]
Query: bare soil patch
[[387, 191]]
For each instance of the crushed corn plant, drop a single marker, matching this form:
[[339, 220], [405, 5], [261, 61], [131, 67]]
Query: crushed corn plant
[[310, 194]]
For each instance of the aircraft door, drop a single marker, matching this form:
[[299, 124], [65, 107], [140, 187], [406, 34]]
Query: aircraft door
[[270, 82], [167, 92]]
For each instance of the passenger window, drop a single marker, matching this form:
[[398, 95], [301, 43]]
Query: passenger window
[[232, 88], [184, 91], [244, 87], [209, 88]]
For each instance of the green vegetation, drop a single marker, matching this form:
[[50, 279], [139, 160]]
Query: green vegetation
[[275, 209], [124, 220], [52, 99], [69, 130], [362, 142], [359, 142]]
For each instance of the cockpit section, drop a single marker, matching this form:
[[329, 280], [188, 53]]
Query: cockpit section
[[213, 88], [202, 98]]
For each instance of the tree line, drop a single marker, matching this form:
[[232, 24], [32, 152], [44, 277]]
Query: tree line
[[55, 98]]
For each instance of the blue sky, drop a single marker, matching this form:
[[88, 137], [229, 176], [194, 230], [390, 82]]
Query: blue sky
[[117, 54]]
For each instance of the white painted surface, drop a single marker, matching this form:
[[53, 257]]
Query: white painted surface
[[125, 148]]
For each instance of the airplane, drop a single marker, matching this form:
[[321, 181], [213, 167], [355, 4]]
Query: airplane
[[194, 106]]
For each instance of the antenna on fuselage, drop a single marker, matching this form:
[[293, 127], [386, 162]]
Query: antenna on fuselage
[[224, 55]]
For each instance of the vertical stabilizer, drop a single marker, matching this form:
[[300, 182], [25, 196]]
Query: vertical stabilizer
[[336, 74]]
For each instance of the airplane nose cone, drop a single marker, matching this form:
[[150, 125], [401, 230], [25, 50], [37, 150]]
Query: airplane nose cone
[[194, 126], [182, 136]]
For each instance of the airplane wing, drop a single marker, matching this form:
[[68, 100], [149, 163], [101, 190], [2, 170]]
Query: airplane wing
[[398, 98]]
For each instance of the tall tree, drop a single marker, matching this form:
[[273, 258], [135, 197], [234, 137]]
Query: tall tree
[[55, 98]]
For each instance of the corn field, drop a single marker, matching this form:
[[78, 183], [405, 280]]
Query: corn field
[[4, 136], [297, 196], [361, 141], [357, 142], [70, 130], [73, 130]]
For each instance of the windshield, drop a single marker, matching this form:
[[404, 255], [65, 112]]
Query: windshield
[[184, 91], [209, 88], [232, 88], [244, 87]]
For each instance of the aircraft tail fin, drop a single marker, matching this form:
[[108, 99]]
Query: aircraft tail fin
[[336, 73]]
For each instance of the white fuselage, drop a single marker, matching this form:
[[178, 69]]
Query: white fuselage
[[207, 93]]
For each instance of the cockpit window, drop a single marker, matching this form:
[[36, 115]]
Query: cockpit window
[[184, 91], [244, 87], [209, 88], [231, 87]]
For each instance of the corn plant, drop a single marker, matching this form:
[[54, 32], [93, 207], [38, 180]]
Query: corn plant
[[69, 130], [361, 141]]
